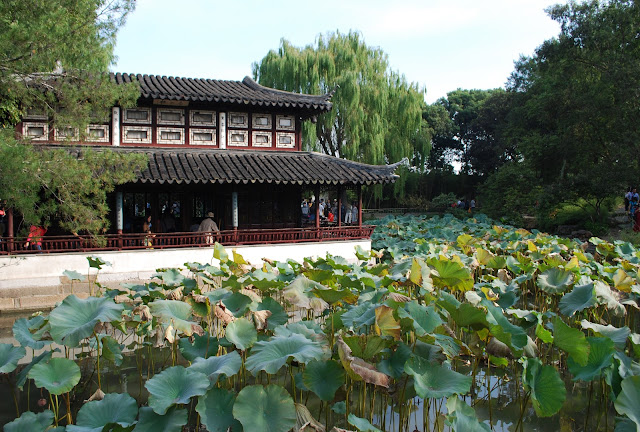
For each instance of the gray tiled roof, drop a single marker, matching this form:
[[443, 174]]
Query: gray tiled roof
[[246, 92], [175, 166]]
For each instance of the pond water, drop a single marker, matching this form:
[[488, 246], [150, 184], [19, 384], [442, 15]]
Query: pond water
[[500, 408]]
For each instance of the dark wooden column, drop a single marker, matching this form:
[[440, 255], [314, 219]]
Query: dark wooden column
[[317, 206], [339, 206], [360, 205]]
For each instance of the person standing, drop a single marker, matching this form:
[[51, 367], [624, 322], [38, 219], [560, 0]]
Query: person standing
[[208, 226], [35, 237]]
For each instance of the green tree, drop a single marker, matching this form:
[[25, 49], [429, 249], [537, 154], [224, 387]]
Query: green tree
[[376, 115], [576, 119], [54, 56]]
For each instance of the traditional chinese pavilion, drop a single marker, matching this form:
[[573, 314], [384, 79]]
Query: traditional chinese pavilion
[[231, 147]]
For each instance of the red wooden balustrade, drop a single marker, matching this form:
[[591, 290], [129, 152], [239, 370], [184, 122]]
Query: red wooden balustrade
[[55, 244]]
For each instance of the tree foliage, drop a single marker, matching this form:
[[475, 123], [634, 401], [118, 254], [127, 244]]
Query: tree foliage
[[376, 115], [575, 118], [54, 56]]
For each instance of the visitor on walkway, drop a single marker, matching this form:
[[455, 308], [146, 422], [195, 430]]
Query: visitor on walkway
[[208, 226], [35, 237]]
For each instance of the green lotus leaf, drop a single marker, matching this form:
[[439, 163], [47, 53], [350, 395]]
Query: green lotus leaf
[[436, 381], [358, 316], [10, 356], [271, 355], [425, 319], [617, 335], [279, 315], [323, 378], [450, 274], [170, 277], [202, 347], [30, 422], [21, 378], [220, 253], [172, 421], [74, 319], [175, 385], [265, 409], [628, 401], [58, 375], [394, 365], [555, 280], [581, 297], [213, 367], [600, 356], [238, 304], [463, 418], [22, 332], [548, 392], [571, 340], [175, 313], [111, 349], [339, 407], [624, 424], [216, 410], [242, 333], [114, 408], [74, 275], [363, 425], [506, 332], [97, 262], [366, 347]]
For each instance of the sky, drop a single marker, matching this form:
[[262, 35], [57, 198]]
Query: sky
[[441, 45]]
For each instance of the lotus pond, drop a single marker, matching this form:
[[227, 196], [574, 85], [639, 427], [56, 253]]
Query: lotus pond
[[445, 325]]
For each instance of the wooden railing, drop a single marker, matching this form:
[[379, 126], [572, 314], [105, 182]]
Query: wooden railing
[[55, 244]]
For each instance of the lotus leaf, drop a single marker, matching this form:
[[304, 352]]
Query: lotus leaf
[[450, 274], [359, 316], [265, 409], [367, 347], [203, 346], [503, 330], [111, 349], [386, 324], [394, 365], [174, 313], [323, 378], [581, 297], [175, 385], [555, 280], [74, 319], [21, 378], [600, 356], [278, 315], [622, 281], [10, 356], [58, 375], [242, 333], [628, 401], [617, 335], [172, 421], [548, 392], [22, 332], [298, 292], [228, 365], [30, 422], [238, 304], [271, 355], [571, 340], [357, 368], [114, 408], [97, 262], [216, 410], [425, 319], [363, 425], [463, 418], [436, 381]]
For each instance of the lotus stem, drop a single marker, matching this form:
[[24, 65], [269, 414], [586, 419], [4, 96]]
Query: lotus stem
[[68, 401], [98, 358]]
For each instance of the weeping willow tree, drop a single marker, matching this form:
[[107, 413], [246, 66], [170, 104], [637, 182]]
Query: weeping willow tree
[[376, 116]]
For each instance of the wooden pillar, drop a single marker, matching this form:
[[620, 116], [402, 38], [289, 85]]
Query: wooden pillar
[[317, 206], [339, 206], [119, 217], [360, 205], [10, 229]]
